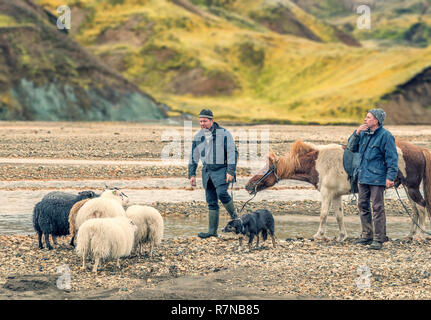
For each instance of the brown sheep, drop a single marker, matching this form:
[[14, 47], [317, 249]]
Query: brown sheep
[[72, 219]]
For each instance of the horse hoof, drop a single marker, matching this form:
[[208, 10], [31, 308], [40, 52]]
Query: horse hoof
[[321, 238], [341, 238]]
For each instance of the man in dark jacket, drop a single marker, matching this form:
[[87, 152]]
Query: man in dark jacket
[[216, 148], [378, 168]]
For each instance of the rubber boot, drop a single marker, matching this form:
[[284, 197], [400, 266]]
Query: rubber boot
[[212, 225], [230, 208]]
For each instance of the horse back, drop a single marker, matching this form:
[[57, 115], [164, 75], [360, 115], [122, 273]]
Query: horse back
[[414, 162]]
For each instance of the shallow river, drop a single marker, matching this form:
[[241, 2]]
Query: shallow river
[[285, 226], [18, 198]]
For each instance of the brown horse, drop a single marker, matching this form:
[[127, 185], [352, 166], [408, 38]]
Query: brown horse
[[322, 166]]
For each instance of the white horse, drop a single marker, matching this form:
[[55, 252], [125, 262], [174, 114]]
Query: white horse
[[322, 166]]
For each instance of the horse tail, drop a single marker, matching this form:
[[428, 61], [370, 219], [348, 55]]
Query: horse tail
[[427, 181]]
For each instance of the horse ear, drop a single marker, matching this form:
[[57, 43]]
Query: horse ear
[[271, 155]]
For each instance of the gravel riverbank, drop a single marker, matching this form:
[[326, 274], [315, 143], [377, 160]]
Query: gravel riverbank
[[184, 268]]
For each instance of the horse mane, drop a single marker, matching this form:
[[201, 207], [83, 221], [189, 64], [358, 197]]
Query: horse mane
[[289, 163]]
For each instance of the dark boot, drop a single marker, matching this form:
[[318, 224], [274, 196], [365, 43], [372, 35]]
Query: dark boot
[[376, 245], [212, 225], [230, 208], [364, 241]]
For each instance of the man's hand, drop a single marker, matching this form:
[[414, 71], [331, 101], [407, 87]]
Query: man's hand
[[229, 178], [389, 183], [363, 127], [193, 181]]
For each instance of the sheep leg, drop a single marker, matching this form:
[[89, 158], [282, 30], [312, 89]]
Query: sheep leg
[[39, 235], [48, 245], [72, 241], [54, 239], [151, 249], [96, 264], [83, 262], [118, 263], [257, 241], [274, 243]]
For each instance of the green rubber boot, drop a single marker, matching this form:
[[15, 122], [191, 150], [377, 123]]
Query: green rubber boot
[[230, 208], [212, 225]]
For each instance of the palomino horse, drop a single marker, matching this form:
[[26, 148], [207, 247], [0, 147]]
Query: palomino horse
[[322, 166]]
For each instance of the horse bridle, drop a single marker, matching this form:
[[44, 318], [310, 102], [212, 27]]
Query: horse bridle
[[272, 169]]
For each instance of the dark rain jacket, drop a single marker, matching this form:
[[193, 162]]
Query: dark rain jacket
[[218, 154], [378, 157]]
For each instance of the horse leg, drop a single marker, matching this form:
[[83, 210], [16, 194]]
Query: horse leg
[[324, 210], [418, 215], [338, 206], [422, 222]]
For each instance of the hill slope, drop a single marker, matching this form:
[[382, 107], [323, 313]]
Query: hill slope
[[45, 75], [224, 57]]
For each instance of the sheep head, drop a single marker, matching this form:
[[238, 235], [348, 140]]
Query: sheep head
[[116, 194]]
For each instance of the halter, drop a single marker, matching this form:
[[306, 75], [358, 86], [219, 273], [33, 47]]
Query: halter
[[272, 169]]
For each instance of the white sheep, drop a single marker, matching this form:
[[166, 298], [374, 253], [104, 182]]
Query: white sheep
[[109, 204], [105, 238], [150, 226]]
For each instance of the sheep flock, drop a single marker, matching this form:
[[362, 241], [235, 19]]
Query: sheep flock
[[99, 225]]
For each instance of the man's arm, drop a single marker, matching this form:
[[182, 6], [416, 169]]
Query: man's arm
[[391, 158], [232, 154], [193, 160], [353, 142]]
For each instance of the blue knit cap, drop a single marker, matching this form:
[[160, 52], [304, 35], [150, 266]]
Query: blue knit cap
[[379, 114]]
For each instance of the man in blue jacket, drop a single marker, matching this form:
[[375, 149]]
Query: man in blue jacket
[[216, 148], [378, 168]]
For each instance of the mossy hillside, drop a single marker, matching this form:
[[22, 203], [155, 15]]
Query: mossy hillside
[[276, 77], [45, 75], [393, 22]]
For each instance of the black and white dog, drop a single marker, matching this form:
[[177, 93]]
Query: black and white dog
[[250, 225]]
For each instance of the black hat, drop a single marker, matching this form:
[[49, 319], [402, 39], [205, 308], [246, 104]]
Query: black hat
[[206, 113]]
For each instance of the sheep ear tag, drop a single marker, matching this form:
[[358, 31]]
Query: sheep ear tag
[[114, 192]]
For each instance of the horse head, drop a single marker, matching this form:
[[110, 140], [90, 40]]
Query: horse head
[[266, 177], [277, 168]]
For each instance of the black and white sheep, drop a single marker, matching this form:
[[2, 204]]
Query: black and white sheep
[[108, 205], [150, 226], [105, 238], [51, 215]]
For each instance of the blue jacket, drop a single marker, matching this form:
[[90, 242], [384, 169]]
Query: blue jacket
[[218, 154], [378, 157]]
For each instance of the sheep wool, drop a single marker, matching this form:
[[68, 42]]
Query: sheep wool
[[72, 219], [150, 226], [108, 205], [105, 238]]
